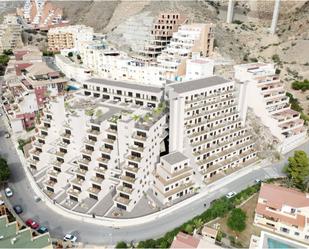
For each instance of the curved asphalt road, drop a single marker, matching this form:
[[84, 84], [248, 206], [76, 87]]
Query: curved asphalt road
[[95, 234]]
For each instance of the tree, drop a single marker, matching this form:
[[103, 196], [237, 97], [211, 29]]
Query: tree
[[237, 220], [189, 228], [121, 244], [298, 169], [70, 54], [4, 170]]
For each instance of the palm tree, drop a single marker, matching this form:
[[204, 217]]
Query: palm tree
[[306, 183], [198, 223], [136, 117]]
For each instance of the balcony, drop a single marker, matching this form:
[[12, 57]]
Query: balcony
[[108, 141], [38, 144], [60, 153], [140, 138], [122, 200], [32, 162], [97, 180], [100, 170], [43, 128], [77, 181], [50, 183], [73, 192], [93, 190], [65, 135], [93, 132], [62, 144], [134, 158], [90, 142], [103, 160], [125, 189], [83, 161], [131, 169], [128, 179], [106, 150], [112, 131], [80, 171], [56, 163], [136, 148], [87, 152], [54, 173], [35, 152], [41, 136]]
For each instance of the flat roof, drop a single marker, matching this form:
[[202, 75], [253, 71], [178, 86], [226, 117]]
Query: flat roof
[[192, 85], [127, 85], [174, 157]]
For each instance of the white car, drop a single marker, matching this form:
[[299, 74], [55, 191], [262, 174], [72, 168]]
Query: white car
[[230, 195], [8, 192], [70, 237]]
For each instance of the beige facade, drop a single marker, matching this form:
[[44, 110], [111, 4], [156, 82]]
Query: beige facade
[[284, 211]]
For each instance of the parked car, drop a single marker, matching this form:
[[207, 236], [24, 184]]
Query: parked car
[[33, 224], [42, 229], [70, 237], [230, 194], [8, 192], [7, 135], [257, 181], [18, 209]]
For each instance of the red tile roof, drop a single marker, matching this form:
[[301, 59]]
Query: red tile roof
[[183, 240], [277, 196]]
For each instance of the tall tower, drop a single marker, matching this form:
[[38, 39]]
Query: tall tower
[[275, 17], [230, 11]]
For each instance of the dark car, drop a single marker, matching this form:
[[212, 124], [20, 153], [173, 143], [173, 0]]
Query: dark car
[[18, 209], [42, 229], [31, 223]]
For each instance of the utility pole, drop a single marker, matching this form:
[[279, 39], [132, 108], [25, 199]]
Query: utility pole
[[230, 11], [275, 17]]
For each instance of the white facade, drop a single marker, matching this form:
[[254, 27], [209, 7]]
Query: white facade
[[206, 124], [173, 177], [71, 69], [267, 97], [190, 38], [197, 68], [109, 63]]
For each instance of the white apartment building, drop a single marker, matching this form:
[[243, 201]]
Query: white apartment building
[[71, 69], [10, 33], [109, 63], [173, 177], [267, 97], [190, 38], [207, 124], [69, 37], [91, 145], [137, 94]]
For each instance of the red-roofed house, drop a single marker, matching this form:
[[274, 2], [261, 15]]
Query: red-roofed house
[[284, 211], [183, 240]]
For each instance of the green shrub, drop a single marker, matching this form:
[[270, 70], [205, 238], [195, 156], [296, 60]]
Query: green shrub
[[121, 244], [237, 220], [301, 85]]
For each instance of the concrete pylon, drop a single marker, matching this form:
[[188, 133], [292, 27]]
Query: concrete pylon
[[275, 17], [230, 11]]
